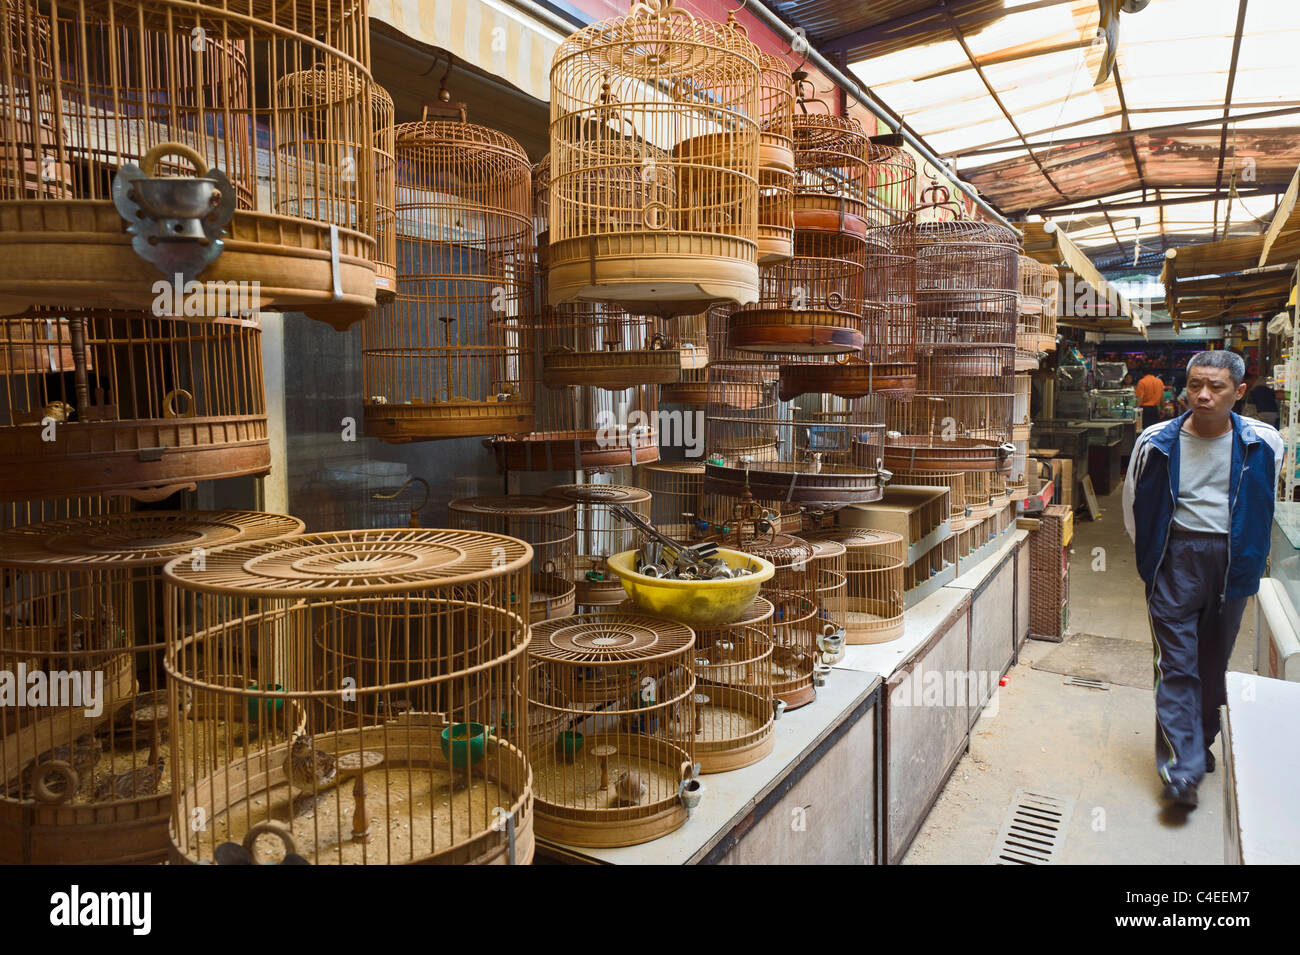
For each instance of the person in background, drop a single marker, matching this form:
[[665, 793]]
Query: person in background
[[1150, 393], [1264, 398], [1128, 381], [1198, 504]]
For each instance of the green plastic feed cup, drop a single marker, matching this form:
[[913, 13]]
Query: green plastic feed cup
[[463, 743]]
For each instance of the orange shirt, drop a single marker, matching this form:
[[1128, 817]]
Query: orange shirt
[[1150, 391]]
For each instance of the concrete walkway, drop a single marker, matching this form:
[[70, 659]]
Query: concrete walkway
[[1093, 746]]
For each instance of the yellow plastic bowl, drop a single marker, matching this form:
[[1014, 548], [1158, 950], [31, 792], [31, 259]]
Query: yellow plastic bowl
[[696, 603]]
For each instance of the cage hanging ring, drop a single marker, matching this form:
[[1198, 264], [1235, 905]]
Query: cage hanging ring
[[835, 300], [655, 222], [829, 184], [277, 829], [169, 404], [150, 159], [41, 782]]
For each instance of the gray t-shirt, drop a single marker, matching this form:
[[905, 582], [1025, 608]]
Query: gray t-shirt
[[1204, 465]]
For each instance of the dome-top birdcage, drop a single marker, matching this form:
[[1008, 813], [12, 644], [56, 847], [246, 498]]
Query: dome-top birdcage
[[775, 162], [363, 694], [86, 780], [136, 134], [99, 401], [600, 535], [654, 162], [449, 357]]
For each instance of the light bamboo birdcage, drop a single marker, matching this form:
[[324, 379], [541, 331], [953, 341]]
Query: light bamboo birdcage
[[734, 705], [83, 598], [602, 346], [676, 490], [361, 696], [614, 726], [95, 401], [874, 592], [654, 162], [1030, 309], [600, 535], [452, 356], [830, 580], [1051, 306], [547, 525], [182, 90], [819, 449], [37, 510], [689, 335], [775, 161], [1018, 478]]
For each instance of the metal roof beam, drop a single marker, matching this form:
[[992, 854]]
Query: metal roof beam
[[911, 24]]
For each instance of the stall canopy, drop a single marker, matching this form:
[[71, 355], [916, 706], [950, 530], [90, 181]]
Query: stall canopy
[[1216, 282], [1088, 300], [1282, 241]]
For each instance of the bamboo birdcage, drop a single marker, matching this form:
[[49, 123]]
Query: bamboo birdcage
[[1030, 309], [775, 161], [1051, 306], [874, 592], [181, 88], [546, 525], [612, 745], [954, 481], [38, 510], [84, 595], [830, 581], [362, 695], [654, 163], [689, 335], [451, 357], [818, 450], [676, 490], [95, 401], [600, 535]]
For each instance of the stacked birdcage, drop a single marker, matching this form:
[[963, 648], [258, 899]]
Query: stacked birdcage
[[775, 161], [676, 490], [1029, 314], [100, 401], [614, 723], [600, 535], [1051, 306], [137, 135], [546, 525], [452, 355], [654, 163], [84, 772], [874, 593], [830, 580], [358, 699]]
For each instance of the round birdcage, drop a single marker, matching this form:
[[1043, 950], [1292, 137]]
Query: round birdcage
[[1051, 306], [689, 336], [451, 357], [830, 577], [38, 510], [546, 525], [1030, 308], [874, 591], [654, 198], [615, 722], [676, 490], [602, 346], [98, 402], [85, 775], [360, 698], [816, 450], [775, 161], [138, 133], [600, 535]]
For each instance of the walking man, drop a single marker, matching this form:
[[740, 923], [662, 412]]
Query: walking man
[[1150, 392], [1198, 503]]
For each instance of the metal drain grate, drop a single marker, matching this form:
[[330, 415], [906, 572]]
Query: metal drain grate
[[1033, 830], [1090, 684]]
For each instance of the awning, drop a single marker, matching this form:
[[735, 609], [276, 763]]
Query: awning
[[1282, 241], [1216, 282], [1088, 300]]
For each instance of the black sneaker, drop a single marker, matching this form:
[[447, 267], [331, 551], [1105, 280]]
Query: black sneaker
[[1209, 761], [1181, 794]]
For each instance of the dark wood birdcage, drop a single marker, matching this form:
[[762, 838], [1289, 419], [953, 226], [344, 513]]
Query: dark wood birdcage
[[97, 401], [87, 780], [451, 356], [655, 128], [547, 525], [137, 134], [359, 699]]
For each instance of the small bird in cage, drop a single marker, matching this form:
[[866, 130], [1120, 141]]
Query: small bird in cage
[[143, 781], [83, 755], [631, 789], [145, 710], [59, 411], [790, 659], [307, 768], [97, 631]]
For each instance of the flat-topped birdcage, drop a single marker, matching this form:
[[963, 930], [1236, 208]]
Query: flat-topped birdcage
[[360, 697], [36, 510], [97, 401], [654, 162], [830, 579], [547, 525], [140, 133], [676, 490], [86, 779], [600, 535], [818, 449], [451, 356], [689, 336], [614, 724], [874, 592]]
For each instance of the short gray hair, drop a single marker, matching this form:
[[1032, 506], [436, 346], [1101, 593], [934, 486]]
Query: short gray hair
[[1223, 358]]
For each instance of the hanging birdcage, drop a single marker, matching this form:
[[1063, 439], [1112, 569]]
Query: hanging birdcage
[[654, 163], [359, 699], [1051, 306], [874, 592], [86, 777], [689, 336], [614, 723], [133, 152], [451, 357], [546, 525], [600, 535], [818, 450], [1030, 314], [775, 161], [95, 402]]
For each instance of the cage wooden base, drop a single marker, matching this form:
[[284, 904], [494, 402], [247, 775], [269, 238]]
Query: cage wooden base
[[685, 393], [78, 253], [849, 378], [794, 332], [655, 273], [773, 481], [718, 752], [774, 245], [775, 152], [574, 451], [614, 370], [871, 621], [111, 456], [552, 596], [831, 213], [457, 418], [224, 794], [927, 453]]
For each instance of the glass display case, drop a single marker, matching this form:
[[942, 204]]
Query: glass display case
[[1109, 374], [1072, 378], [1112, 404]]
